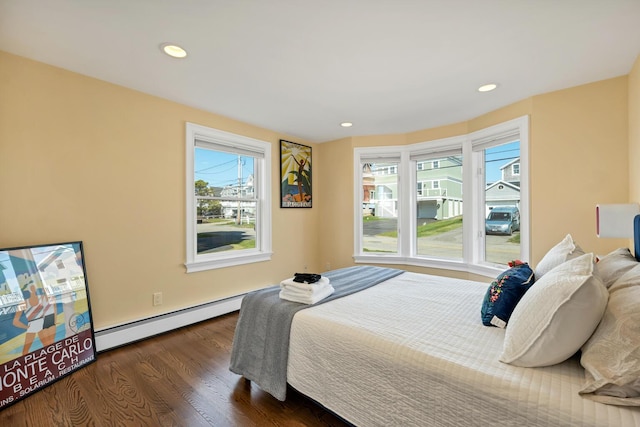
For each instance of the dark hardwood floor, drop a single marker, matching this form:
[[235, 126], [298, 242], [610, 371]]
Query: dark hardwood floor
[[180, 378]]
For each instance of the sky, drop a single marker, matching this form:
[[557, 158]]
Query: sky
[[220, 169], [496, 157]]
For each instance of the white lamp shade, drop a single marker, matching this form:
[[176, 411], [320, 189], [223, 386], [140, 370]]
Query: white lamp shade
[[616, 220]]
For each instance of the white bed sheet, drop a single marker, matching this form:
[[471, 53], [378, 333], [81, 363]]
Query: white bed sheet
[[412, 351]]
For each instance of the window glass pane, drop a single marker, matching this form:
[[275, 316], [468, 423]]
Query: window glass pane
[[221, 174], [380, 207], [226, 208], [439, 208], [502, 203], [232, 229]]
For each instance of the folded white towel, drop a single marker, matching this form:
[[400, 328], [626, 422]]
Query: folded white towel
[[308, 287], [312, 298], [305, 293]]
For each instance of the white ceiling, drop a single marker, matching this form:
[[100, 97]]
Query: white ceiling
[[300, 67]]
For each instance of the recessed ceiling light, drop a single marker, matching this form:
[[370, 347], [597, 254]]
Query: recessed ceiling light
[[346, 124], [173, 50], [487, 88]]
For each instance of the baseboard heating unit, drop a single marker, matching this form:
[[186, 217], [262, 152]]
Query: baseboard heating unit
[[127, 333]]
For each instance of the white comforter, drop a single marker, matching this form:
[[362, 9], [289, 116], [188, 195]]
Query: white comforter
[[412, 351]]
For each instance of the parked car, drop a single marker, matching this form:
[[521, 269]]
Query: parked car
[[503, 220]]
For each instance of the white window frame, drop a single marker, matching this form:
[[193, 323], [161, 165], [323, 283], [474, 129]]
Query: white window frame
[[486, 138], [242, 145], [472, 146], [513, 169]]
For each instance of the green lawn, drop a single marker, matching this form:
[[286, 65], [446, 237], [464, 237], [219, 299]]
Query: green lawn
[[245, 244], [432, 228], [515, 238], [217, 220], [437, 227]]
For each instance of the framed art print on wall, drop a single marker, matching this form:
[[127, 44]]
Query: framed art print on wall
[[46, 330], [295, 175]]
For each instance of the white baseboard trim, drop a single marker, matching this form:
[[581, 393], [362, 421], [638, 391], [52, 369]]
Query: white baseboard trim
[[124, 334]]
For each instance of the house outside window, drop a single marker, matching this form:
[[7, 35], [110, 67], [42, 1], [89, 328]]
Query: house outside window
[[228, 199], [502, 192], [380, 208], [440, 204], [464, 172]]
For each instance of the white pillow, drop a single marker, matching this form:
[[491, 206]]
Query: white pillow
[[565, 250], [613, 265], [556, 316], [611, 357]]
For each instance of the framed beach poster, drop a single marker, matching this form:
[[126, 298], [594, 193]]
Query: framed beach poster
[[46, 330], [295, 175]]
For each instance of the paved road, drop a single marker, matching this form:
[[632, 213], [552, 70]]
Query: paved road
[[447, 245], [216, 237], [378, 226]]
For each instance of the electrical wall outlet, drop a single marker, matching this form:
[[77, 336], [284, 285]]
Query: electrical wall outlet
[[328, 265], [157, 298]]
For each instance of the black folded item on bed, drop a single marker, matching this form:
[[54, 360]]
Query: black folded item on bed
[[306, 277]]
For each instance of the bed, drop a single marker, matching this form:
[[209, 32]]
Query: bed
[[412, 350]]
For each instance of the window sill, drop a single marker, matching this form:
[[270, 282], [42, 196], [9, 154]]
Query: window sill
[[442, 264], [212, 264]]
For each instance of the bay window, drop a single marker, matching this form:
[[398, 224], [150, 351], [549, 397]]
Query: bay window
[[427, 204]]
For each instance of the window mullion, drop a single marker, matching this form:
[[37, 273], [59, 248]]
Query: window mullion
[[405, 184]]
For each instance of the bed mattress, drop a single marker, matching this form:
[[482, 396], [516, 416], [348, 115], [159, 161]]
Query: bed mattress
[[412, 351]]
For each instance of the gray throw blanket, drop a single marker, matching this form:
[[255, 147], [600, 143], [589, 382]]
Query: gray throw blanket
[[261, 342]]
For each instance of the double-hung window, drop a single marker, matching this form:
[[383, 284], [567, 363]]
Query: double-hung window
[[438, 207], [228, 199], [502, 196], [379, 204], [435, 209]]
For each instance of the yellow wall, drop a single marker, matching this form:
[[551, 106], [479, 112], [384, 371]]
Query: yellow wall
[[578, 157], [81, 159], [634, 132], [335, 204]]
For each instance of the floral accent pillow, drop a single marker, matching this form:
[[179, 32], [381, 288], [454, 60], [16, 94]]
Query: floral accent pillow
[[505, 292]]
